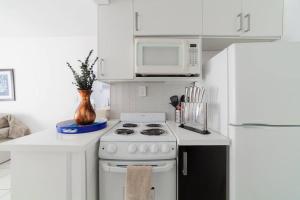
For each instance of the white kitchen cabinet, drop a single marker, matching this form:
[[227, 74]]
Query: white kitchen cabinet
[[168, 17], [263, 18], [115, 40], [91, 160], [243, 18], [222, 17], [55, 175]]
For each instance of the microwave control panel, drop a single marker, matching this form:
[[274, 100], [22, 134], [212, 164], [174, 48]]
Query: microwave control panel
[[194, 54]]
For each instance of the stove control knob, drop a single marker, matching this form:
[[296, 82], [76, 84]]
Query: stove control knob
[[165, 148], [132, 148], [143, 148], [154, 148], [111, 148]]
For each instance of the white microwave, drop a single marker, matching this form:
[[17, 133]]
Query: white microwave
[[168, 56]]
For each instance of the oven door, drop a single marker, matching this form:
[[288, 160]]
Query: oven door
[[112, 175], [160, 56]]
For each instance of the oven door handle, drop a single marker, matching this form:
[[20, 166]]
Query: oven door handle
[[123, 169]]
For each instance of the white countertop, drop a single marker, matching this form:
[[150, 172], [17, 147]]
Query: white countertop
[[50, 140], [190, 138]]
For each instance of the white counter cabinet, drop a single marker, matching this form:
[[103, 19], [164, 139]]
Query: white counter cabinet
[[48, 165]]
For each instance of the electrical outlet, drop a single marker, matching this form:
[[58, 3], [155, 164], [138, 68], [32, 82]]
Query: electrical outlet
[[142, 91]]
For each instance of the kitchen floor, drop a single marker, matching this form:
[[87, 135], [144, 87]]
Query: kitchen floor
[[5, 181]]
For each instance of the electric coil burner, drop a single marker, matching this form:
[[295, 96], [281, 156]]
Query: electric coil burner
[[130, 125], [124, 131], [154, 125], [153, 132]]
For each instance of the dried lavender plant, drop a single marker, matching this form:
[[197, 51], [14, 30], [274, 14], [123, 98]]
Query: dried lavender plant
[[86, 78]]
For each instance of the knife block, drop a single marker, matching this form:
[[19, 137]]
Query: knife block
[[195, 114]]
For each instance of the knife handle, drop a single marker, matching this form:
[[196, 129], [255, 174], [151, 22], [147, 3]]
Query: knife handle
[[191, 94], [197, 95], [186, 95]]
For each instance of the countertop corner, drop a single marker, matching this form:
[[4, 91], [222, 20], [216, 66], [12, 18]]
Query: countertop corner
[[189, 138], [51, 140]]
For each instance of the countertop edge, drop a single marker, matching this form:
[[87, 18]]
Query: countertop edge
[[16, 145], [196, 139]]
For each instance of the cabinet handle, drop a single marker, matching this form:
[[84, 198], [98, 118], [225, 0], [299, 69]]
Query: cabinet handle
[[248, 17], [101, 67], [185, 170], [240, 17], [136, 21]]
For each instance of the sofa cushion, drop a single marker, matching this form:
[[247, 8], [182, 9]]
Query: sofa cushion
[[4, 140], [3, 121], [16, 128], [4, 132]]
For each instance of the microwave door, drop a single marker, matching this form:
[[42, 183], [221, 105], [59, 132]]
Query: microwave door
[[160, 58]]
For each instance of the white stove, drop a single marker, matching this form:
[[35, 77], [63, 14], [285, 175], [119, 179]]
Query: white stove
[[139, 136], [139, 139]]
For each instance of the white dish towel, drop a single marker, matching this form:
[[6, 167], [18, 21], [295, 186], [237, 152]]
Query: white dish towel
[[138, 183]]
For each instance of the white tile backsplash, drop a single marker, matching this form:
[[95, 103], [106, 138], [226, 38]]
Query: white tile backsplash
[[125, 98]]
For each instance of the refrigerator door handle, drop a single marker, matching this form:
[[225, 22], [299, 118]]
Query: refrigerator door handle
[[262, 125]]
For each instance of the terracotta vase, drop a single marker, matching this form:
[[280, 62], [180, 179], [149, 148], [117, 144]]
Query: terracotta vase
[[85, 113]]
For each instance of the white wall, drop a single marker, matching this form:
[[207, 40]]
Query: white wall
[[125, 98], [48, 18], [292, 20], [37, 37]]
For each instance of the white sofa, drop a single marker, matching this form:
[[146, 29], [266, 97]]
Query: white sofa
[[10, 128], [4, 155]]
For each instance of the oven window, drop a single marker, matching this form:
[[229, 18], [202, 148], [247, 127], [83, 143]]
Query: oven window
[[158, 56]]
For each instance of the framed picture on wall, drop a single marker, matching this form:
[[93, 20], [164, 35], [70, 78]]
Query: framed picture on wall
[[7, 85]]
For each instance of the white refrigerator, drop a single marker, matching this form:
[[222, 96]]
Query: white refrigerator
[[253, 94]]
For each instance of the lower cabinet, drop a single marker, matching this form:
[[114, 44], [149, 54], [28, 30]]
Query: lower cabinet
[[55, 174], [202, 173]]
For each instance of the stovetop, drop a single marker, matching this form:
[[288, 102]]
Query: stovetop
[[140, 132], [139, 136]]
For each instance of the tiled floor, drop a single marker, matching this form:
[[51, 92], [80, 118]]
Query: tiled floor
[[5, 181]]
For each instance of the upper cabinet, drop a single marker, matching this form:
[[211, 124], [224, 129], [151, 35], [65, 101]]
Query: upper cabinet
[[245, 18], [220, 23], [167, 17], [263, 17], [222, 17], [115, 40]]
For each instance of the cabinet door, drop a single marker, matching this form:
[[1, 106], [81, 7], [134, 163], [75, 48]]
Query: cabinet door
[[168, 17], [202, 173], [115, 40], [92, 181], [222, 18], [263, 18]]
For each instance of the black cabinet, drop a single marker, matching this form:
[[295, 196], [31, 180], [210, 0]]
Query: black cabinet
[[202, 173]]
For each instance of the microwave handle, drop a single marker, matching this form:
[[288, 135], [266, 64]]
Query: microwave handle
[[123, 169], [186, 56], [101, 70], [136, 18]]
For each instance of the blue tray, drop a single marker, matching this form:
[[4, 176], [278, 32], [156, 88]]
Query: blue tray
[[70, 127]]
